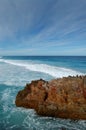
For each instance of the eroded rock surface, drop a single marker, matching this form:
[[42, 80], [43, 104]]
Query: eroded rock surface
[[63, 97]]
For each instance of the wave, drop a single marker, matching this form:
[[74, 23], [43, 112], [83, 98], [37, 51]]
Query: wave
[[44, 68]]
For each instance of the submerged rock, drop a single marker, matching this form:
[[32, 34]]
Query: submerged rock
[[63, 97]]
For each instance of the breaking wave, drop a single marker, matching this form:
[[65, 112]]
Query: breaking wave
[[44, 68]]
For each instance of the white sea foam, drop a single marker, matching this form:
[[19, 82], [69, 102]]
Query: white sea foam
[[6, 94], [1, 60], [44, 68]]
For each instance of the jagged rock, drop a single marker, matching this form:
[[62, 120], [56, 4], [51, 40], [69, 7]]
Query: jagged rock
[[63, 97]]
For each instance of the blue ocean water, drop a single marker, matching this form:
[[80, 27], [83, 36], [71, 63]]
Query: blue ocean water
[[16, 71]]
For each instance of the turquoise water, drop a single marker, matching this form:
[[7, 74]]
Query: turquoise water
[[16, 71]]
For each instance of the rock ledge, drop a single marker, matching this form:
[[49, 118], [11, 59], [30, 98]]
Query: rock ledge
[[63, 97]]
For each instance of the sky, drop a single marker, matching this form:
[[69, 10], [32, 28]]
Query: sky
[[43, 27]]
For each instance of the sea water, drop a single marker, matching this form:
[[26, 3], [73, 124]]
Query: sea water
[[16, 71]]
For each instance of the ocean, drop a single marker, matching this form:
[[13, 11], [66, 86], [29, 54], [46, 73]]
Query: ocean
[[16, 71]]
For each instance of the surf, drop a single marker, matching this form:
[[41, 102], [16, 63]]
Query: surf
[[45, 68]]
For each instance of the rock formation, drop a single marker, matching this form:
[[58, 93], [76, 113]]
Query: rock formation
[[63, 97]]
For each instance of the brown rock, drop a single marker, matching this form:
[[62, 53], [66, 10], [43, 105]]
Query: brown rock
[[63, 97]]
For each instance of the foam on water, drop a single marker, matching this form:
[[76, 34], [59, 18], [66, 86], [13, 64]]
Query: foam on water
[[44, 68]]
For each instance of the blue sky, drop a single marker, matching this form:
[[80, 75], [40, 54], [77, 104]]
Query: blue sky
[[42, 27]]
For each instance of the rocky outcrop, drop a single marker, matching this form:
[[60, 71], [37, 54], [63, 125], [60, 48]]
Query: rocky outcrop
[[63, 97]]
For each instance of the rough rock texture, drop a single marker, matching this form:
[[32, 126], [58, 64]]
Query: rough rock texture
[[63, 97]]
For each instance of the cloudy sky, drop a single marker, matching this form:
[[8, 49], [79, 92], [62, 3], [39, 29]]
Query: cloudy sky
[[42, 27]]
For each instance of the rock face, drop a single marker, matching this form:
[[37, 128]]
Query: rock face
[[63, 97]]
